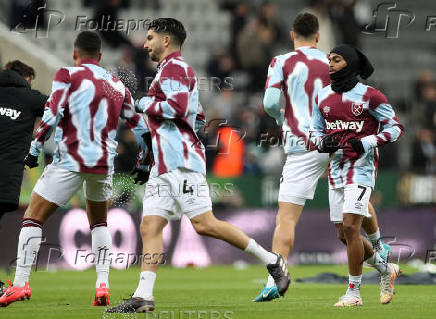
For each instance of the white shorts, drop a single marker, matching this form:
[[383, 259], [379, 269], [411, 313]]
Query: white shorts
[[180, 191], [58, 185], [300, 176], [351, 199]]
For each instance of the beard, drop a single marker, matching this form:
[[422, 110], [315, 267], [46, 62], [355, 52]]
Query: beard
[[156, 54], [153, 57]]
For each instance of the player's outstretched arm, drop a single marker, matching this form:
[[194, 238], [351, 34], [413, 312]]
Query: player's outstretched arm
[[273, 86], [390, 127], [271, 104], [54, 109], [317, 125]]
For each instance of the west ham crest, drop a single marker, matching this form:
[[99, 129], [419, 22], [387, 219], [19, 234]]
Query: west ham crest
[[357, 108], [326, 110]]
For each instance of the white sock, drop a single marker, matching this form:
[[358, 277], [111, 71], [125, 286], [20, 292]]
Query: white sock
[[270, 283], [378, 263], [28, 247], [354, 285], [146, 284], [258, 251], [375, 240], [101, 248]]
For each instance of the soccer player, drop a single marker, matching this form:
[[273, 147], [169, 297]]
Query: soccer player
[[300, 74], [350, 120], [178, 184], [84, 107], [19, 107]]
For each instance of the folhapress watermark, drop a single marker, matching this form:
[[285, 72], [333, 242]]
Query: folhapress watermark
[[389, 18], [107, 23]]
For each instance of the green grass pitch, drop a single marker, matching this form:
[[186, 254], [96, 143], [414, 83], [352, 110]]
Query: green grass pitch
[[214, 293]]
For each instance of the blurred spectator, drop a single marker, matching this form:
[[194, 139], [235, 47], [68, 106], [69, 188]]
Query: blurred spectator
[[246, 119], [222, 106], [423, 149], [429, 100], [135, 69], [251, 160], [424, 78], [268, 17], [125, 4], [342, 14], [25, 14], [122, 3], [240, 14], [254, 51], [125, 70], [145, 69], [220, 67], [229, 161], [272, 161], [268, 143], [424, 152], [269, 126], [326, 37], [106, 15]]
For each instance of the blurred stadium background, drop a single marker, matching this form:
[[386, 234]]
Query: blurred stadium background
[[229, 45]]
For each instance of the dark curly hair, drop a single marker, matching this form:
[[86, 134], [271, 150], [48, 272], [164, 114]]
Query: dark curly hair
[[171, 26], [306, 25], [88, 42]]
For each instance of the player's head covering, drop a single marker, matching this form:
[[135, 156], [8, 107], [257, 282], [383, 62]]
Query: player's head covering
[[357, 64], [356, 60]]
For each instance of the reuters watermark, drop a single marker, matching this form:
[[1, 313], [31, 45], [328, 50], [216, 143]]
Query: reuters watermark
[[430, 257], [181, 83], [189, 190]]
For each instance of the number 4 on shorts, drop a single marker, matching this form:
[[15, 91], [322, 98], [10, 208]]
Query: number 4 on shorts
[[187, 189]]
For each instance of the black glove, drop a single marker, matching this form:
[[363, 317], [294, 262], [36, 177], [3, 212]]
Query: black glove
[[142, 171], [31, 161], [329, 144], [147, 140], [142, 174], [357, 146]]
